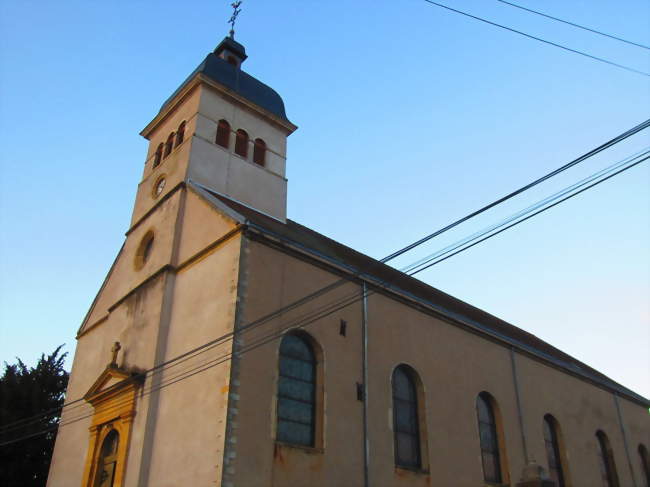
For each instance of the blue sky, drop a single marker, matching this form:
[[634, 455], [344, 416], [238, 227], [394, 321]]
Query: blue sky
[[410, 117]]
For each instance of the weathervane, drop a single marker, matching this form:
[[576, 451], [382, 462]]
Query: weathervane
[[233, 18]]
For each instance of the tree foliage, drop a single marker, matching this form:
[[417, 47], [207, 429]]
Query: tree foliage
[[30, 408]]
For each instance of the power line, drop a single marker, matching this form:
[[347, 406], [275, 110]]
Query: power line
[[574, 24], [264, 319], [501, 26], [578, 160], [557, 198]]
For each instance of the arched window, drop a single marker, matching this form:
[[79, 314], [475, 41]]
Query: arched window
[[606, 461], [158, 157], [489, 439], [169, 145], [241, 143], [406, 421], [180, 134], [297, 391], [223, 134], [107, 460], [645, 468], [553, 452], [259, 152]]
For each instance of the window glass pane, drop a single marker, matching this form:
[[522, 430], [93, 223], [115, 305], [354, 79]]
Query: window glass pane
[[403, 387], [295, 433], [407, 450], [405, 417], [295, 389], [296, 347], [294, 410], [548, 434], [488, 440], [483, 409], [297, 369], [491, 468]]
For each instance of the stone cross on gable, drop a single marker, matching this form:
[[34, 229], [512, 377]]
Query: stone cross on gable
[[114, 350], [233, 18]]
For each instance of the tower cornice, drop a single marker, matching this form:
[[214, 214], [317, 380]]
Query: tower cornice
[[197, 80]]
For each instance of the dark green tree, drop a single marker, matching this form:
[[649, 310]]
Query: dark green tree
[[30, 408]]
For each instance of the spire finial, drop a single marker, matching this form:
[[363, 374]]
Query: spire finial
[[233, 17]]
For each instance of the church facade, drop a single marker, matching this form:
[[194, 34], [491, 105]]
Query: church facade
[[231, 346]]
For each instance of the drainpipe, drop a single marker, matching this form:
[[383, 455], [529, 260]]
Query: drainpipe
[[364, 361], [627, 450], [517, 396]]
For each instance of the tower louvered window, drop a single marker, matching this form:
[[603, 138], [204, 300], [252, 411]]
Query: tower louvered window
[[223, 134], [241, 143]]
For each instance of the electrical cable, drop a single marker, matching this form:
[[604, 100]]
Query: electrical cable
[[575, 51], [582, 186], [329, 288], [574, 24]]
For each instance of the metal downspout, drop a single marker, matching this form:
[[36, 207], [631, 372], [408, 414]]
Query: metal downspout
[[519, 412], [364, 360]]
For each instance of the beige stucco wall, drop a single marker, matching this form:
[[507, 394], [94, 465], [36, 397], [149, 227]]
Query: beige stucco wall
[[455, 365], [182, 409], [274, 280]]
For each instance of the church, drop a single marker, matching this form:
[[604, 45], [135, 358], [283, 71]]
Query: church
[[231, 346]]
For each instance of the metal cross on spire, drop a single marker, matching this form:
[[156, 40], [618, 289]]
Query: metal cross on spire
[[233, 18]]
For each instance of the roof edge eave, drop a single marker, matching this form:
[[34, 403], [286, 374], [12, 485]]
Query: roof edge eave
[[572, 369], [193, 82]]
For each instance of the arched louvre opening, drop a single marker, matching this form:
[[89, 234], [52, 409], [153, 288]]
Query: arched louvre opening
[[259, 152], [606, 463], [158, 156], [180, 134], [296, 406], [241, 143], [489, 439], [169, 145], [553, 454], [406, 423], [107, 461], [223, 134]]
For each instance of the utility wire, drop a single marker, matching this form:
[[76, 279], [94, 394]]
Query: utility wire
[[591, 56], [572, 189], [565, 194], [591, 153], [574, 24], [191, 353]]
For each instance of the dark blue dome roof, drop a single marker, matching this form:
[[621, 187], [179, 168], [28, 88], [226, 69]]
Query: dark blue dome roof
[[242, 83]]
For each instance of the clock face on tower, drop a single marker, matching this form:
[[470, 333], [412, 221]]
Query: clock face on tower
[[160, 185]]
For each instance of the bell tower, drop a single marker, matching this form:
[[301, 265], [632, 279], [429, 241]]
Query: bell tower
[[223, 129]]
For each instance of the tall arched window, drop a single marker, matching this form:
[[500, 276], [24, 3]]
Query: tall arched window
[[645, 468], [489, 439], [180, 134], [259, 152], [241, 143], [553, 452], [158, 157], [297, 391], [107, 461], [223, 134], [169, 145], [606, 461], [406, 421]]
